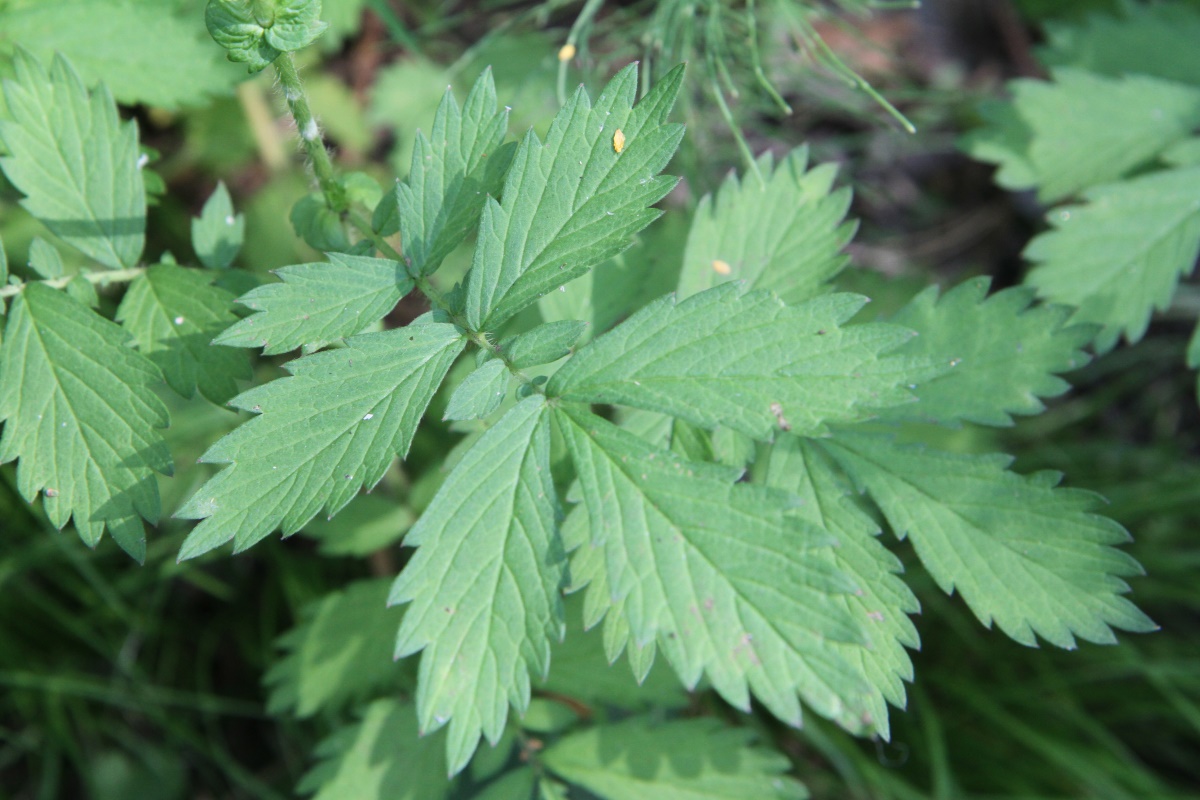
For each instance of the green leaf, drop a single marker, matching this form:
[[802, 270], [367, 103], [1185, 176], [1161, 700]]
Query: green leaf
[[623, 284], [543, 344], [723, 574], [75, 161], [145, 51], [484, 583], [517, 783], [588, 569], [217, 233], [369, 524], [1153, 40], [318, 225], [255, 32], [83, 290], [573, 201], [883, 602], [81, 414], [784, 234], [1082, 129], [330, 429], [45, 260], [1184, 153], [338, 654], [1119, 256], [1004, 354], [1021, 552], [3, 266], [481, 393], [379, 758], [318, 303], [173, 313], [452, 176], [743, 359], [695, 759], [583, 671]]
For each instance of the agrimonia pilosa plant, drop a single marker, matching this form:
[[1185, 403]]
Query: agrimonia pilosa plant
[[711, 470]]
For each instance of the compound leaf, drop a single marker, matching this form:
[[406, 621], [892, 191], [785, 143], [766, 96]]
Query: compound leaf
[[330, 429], [217, 233], [453, 173], [1120, 255], [175, 65], [743, 359], [678, 760], [80, 413], [315, 304], [1021, 552], [338, 653], [1004, 354], [884, 602], [1081, 129], [351, 764], [75, 161], [784, 234], [484, 585], [722, 574], [573, 201], [173, 313]]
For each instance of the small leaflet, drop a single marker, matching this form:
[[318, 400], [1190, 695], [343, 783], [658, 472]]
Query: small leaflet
[[480, 394]]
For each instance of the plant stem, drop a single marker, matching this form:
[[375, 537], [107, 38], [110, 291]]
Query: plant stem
[[310, 133], [576, 34], [99, 278]]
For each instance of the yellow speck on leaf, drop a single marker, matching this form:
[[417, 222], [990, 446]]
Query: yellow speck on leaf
[[618, 141], [721, 268], [566, 52]]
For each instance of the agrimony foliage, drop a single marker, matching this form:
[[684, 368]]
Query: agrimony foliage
[[771, 584], [1031, 557], [176, 66], [75, 161], [322, 434], [1113, 127], [799, 217], [80, 413], [573, 201]]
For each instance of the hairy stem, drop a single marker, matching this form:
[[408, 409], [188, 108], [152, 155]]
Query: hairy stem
[[99, 278], [310, 133]]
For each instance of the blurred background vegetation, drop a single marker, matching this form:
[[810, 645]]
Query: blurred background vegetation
[[125, 682]]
